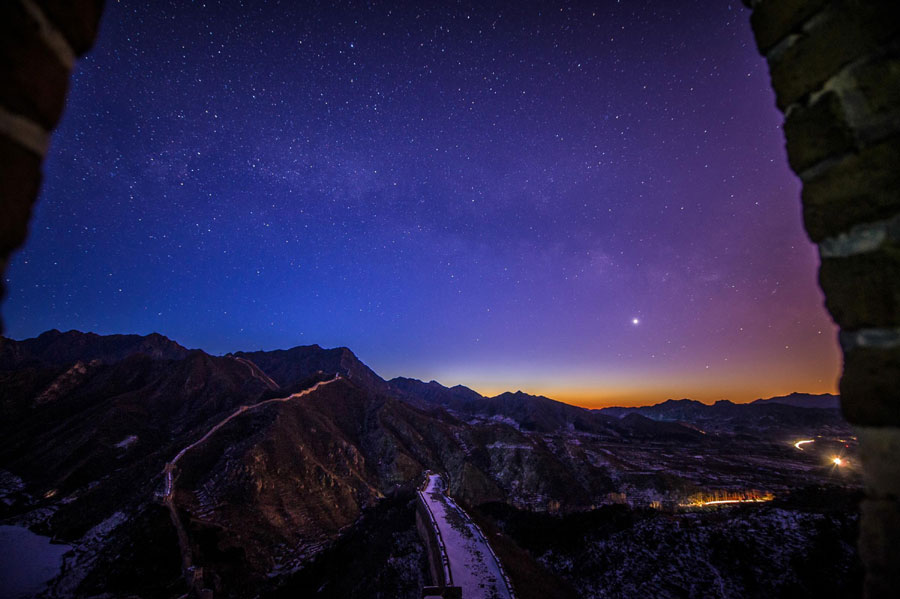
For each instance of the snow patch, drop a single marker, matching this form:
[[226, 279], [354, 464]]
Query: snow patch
[[502, 445], [9, 484], [127, 442]]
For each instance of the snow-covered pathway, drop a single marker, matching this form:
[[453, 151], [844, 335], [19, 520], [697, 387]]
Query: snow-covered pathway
[[473, 564]]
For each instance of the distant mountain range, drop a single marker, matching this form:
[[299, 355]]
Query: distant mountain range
[[805, 400], [674, 407], [797, 410], [88, 423], [53, 348]]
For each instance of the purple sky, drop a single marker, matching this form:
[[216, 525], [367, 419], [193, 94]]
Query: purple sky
[[486, 195]]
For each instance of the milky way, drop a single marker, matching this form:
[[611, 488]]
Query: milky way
[[590, 201]]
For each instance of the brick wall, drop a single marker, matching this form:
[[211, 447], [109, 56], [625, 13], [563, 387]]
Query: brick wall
[[835, 68], [426, 532], [39, 43]]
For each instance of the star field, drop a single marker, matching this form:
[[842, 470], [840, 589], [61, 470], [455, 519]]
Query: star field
[[585, 200]]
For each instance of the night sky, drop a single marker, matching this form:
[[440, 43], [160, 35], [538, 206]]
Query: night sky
[[589, 201]]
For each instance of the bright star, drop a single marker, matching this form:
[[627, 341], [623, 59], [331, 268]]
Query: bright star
[[635, 321]]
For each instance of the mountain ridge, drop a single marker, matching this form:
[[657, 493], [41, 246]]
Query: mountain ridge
[[824, 401], [55, 348], [89, 426]]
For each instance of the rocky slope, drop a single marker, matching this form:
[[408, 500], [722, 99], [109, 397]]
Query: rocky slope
[[264, 505], [89, 422], [800, 546], [288, 367]]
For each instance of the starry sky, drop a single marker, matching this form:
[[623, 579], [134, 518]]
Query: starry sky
[[585, 200]]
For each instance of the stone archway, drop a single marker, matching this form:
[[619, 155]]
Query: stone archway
[[835, 68]]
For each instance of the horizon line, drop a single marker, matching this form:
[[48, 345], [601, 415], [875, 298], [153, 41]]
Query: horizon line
[[593, 399]]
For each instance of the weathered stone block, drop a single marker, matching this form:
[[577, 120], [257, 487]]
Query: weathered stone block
[[77, 20], [33, 80], [20, 178], [844, 31], [878, 450], [870, 395], [773, 20], [878, 86], [879, 529], [862, 188], [862, 290], [818, 131]]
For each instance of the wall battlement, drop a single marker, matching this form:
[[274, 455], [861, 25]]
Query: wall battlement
[[835, 68]]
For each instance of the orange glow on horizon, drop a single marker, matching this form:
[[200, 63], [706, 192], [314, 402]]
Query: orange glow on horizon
[[628, 396], [740, 373]]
